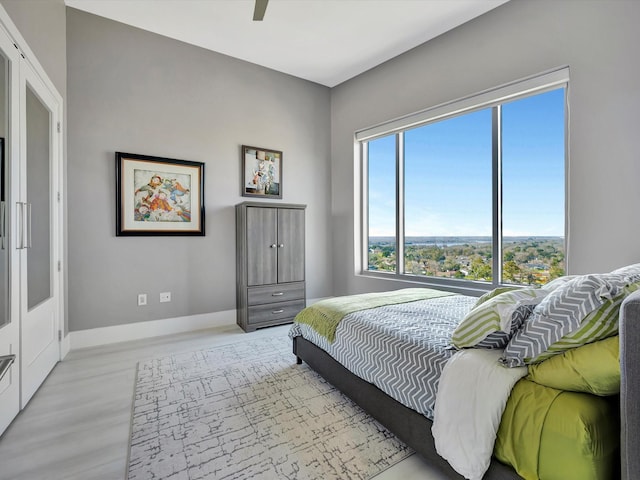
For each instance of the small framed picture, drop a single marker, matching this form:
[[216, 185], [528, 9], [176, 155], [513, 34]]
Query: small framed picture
[[261, 172], [158, 196]]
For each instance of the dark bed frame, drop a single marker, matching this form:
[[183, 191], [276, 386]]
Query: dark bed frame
[[414, 429]]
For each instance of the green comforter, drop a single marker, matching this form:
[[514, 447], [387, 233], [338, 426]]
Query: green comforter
[[551, 434], [325, 315]]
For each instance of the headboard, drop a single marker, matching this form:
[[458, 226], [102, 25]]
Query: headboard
[[630, 386]]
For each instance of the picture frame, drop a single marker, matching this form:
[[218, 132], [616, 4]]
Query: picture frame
[[157, 196], [261, 172]]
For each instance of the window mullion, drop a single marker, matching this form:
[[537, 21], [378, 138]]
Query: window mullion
[[400, 203], [496, 131], [364, 209]]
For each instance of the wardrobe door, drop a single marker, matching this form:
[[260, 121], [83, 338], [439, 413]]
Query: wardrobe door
[[262, 252], [39, 279], [290, 245], [9, 296]]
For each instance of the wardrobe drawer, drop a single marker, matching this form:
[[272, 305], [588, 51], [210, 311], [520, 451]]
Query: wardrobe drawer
[[275, 311], [275, 293]]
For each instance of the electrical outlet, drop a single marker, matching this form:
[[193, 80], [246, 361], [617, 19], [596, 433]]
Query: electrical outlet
[[142, 299], [165, 297]]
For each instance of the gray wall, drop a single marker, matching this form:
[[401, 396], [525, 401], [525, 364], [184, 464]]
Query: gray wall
[[42, 23], [137, 92], [597, 39]]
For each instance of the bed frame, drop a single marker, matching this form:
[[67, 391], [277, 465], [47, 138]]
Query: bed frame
[[414, 429]]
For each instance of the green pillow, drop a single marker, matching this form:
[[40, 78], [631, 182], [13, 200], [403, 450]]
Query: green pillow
[[496, 316], [493, 293], [592, 368]]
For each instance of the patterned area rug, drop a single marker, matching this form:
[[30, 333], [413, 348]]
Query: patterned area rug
[[247, 411]]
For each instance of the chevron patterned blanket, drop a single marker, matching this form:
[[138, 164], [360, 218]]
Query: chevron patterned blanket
[[400, 348], [325, 315]]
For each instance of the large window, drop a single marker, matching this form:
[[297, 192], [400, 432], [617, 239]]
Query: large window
[[474, 195]]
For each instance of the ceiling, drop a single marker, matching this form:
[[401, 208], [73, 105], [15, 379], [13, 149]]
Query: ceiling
[[324, 41]]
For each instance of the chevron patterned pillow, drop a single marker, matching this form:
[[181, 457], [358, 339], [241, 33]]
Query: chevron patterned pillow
[[500, 339], [578, 312], [558, 282], [632, 272], [491, 324], [600, 324]]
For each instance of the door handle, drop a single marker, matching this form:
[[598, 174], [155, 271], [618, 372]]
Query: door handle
[[3, 228], [24, 227], [20, 225], [28, 225], [5, 363]]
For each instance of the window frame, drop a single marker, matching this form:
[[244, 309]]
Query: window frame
[[492, 98]]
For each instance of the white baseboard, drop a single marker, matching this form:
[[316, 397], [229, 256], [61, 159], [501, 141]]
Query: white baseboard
[[65, 346], [152, 328]]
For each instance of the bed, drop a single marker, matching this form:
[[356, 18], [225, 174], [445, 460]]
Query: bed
[[410, 413]]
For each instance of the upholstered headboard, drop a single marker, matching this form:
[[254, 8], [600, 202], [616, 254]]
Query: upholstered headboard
[[630, 386]]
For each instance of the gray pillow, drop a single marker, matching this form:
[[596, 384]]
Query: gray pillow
[[560, 313]]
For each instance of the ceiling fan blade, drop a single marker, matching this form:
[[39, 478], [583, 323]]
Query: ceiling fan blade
[[260, 8]]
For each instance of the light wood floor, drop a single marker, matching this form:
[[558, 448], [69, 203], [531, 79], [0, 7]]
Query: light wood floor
[[76, 427]]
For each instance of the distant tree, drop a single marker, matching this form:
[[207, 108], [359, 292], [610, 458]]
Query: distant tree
[[556, 269], [480, 270], [413, 267], [511, 271], [450, 264], [435, 253]]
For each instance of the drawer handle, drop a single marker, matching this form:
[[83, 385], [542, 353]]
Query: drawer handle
[[279, 294], [277, 311]]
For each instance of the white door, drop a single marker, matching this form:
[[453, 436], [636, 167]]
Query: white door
[[38, 238], [9, 266]]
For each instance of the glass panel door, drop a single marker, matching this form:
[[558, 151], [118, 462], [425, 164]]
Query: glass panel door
[[4, 197], [9, 257], [38, 236], [38, 205]]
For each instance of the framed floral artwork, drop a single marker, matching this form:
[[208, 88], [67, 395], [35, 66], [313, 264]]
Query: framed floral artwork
[[158, 196], [261, 172]]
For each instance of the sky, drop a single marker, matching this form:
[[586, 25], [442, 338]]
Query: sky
[[448, 173]]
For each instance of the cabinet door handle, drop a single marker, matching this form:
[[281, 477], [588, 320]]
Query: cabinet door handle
[[279, 294], [277, 311], [273, 245], [281, 245]]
